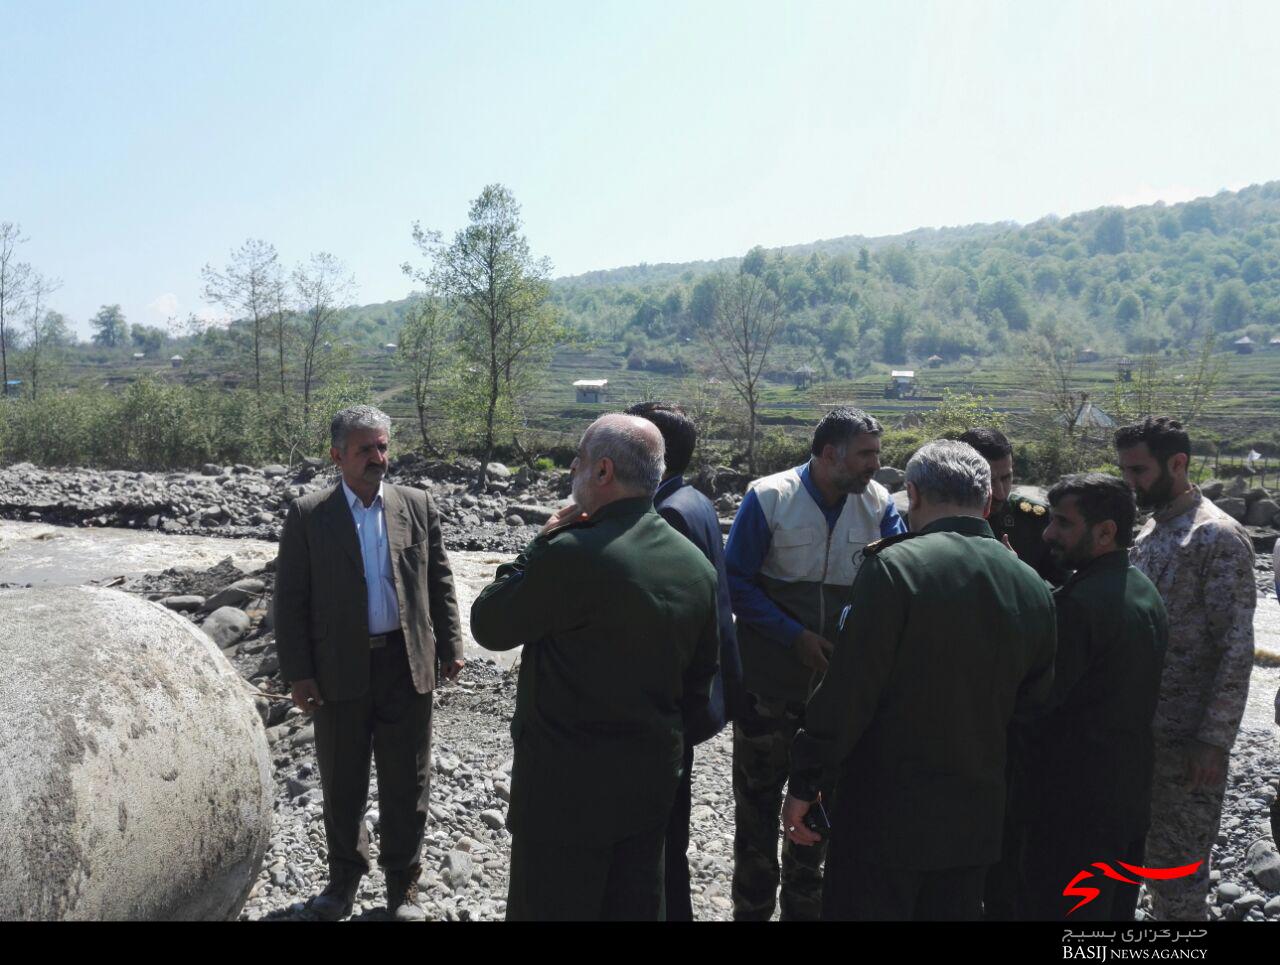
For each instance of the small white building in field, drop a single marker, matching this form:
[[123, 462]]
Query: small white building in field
[[591, 391]]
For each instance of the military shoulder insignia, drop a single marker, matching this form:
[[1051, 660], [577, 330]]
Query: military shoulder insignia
[[876, 546], [1030, 506]]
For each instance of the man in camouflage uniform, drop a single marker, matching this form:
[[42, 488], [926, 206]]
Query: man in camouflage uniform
[[792, 555], [1016, 518], [1201, 561]]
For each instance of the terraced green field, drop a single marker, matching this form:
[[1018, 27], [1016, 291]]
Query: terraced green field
[[1245, 411]]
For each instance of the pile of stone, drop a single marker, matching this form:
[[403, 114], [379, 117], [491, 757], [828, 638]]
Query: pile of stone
[[467, 852], [243, 501], [1244, 502], [468, 849]]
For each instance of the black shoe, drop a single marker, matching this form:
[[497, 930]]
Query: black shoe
[[402, 895], [337, 899]]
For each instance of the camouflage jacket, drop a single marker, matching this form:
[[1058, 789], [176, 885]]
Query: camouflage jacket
[[1201, 561]]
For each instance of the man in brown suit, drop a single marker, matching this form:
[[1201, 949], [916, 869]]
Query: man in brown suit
[[364, 610]]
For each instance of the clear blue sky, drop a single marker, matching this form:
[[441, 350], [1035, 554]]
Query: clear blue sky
[[140, 140]]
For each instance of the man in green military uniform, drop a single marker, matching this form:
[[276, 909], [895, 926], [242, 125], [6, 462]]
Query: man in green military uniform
[[1085, 777], [618, 617], [1016, 519], [1019, 522], [946, 637]]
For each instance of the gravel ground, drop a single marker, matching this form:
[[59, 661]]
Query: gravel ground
[[466, 857]]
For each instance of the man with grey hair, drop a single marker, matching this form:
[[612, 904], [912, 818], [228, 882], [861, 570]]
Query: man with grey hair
[[366, 622], [947, 636], [617, 614]]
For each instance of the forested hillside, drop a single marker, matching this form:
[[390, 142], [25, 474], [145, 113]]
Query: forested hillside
[[1137, 280]]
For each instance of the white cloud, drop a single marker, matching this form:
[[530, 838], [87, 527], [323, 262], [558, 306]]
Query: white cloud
[[163, 307]]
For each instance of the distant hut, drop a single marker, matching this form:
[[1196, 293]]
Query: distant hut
[[1244, 345], [139, 356], [1089, 416], [803, 376], [933, 361], [1274, 343], [1124, 369], [176, 361], [1087, 355], [390, 348], [591, 391]]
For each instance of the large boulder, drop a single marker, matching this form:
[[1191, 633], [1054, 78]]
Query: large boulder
[[1233, 506], [226, 626], [1262, 512], [890, 478], [1212, 489], [137, 778]]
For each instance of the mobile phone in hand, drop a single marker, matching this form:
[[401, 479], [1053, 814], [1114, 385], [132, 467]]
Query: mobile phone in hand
[[816, 820]]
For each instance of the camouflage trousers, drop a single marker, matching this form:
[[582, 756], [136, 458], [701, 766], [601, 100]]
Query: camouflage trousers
[[1184, 826], [762, 735]]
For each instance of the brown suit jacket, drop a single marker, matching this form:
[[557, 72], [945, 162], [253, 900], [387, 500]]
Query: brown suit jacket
[[321, 605]]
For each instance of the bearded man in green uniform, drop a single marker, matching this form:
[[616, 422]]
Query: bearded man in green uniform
[[1016, 519], [618, 617], [1085, 779]]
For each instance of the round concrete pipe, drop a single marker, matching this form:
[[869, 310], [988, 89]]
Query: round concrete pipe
[[135, 779]]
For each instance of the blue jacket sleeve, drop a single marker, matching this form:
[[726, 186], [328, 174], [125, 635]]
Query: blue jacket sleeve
[[891, 523], [744, 554]]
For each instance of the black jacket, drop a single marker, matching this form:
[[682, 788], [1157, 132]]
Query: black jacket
[[691, 514]]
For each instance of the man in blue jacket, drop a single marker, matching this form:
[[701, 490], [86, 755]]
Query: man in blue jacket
[[793, 552], [691, 514]]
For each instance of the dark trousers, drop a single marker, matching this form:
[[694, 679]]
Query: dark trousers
[[857, 891], [679, 901], [391, 723], [1053, 857], [557, 879]]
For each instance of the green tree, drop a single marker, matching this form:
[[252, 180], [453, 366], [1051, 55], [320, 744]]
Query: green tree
[[422, 354], [897, 328], [1128, 310], [112, 329], [148, 338], [1231, 306], [753, 262], [250, 287], [322, 289], [1109, 236], [747, 319], [499, 293], [1198, 216], [47, 335], [14, 277], [899, 265], [1002, 293]]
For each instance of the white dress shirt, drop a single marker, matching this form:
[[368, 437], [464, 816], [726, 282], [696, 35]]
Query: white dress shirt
[[375, 550]]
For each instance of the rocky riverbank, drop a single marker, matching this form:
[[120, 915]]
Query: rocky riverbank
[[466, 859], [467, 853]]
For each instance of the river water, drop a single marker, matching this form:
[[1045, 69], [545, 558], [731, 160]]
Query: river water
[[44, 555]]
